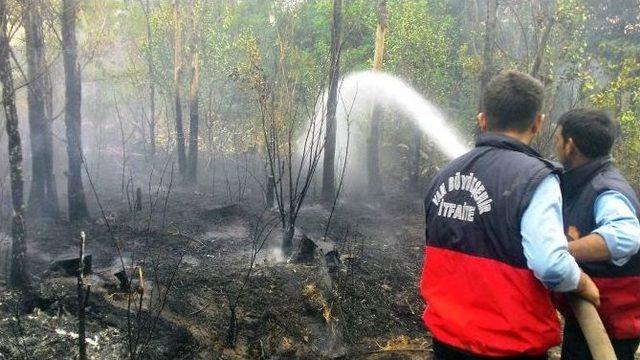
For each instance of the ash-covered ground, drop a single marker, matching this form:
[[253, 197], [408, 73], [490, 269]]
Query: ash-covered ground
[[190, 264]]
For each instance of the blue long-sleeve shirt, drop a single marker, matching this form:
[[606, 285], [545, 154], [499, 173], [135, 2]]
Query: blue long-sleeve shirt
[[544, 241], [618, 225]]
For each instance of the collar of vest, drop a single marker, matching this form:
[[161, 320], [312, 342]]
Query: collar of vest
[[575, 179], [505, 142]]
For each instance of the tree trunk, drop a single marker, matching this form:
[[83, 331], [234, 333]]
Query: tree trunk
[[177, 52], [43, 200], [381, 32], [19, 276], [373, 142], [471, 8], [72, 117], [489, 40], [194, 115], [287, 238], [271, 189], [152, 89], [52, 188], [537, 63], [328, 173]]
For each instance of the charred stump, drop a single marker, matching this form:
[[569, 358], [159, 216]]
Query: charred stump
[[230, 341], [83, 295], [306, 250], [123, 278], [138, 204]]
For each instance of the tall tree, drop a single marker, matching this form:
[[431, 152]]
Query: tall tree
[[43, 198], [328, 173], [373, 142], [177, 65], [72, 116], [194, 115], [146, 8], [489, 42], [18, 274]]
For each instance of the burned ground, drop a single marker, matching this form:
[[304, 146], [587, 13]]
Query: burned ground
[[365, 305]]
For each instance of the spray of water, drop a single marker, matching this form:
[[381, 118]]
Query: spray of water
[[362, 88], [356, 95]]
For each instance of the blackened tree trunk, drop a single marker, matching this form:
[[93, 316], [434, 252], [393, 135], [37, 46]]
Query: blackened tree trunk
[[177, 64], [52, 188], [489, 41], [328, 173], [72, 117], [373, 142], [43, 199], [18, 277], [271, 188]]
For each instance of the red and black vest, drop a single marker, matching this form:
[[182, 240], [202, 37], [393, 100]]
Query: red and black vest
[[619, 285], [481, 297]]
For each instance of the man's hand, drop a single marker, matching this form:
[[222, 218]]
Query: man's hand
[[588, 290], [573, 233]]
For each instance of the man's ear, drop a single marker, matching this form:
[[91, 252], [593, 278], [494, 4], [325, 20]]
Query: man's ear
[[570, 148], [537, 124], [483, 124]]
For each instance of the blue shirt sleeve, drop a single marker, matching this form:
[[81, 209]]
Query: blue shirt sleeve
[[543, 239], [618, 225]]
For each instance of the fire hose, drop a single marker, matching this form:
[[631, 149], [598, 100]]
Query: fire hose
[[592, 329]]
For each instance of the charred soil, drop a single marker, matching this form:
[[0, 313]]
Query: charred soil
[[356, 297]]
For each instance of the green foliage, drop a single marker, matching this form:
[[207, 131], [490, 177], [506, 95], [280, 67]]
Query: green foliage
[[622, 97], [591, 58]]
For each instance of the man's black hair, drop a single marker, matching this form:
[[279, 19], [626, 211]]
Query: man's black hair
[[593, 131], [511, 101]]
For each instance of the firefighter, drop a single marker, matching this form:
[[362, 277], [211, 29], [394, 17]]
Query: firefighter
[[600, 204], [495, 237]]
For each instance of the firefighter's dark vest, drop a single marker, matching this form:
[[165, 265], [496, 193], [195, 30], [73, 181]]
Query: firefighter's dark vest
[[619, 285], [481, 297]]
